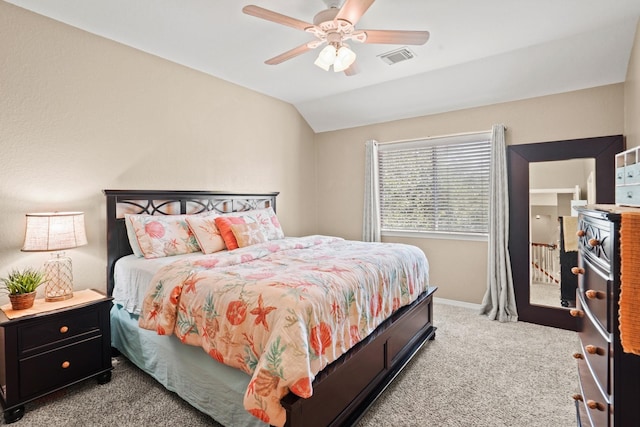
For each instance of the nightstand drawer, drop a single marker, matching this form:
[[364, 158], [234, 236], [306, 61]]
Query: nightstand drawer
[[60, 367], [56, 328]]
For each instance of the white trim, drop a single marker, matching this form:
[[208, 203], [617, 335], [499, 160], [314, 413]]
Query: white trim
[[434, 235], [457, 303]]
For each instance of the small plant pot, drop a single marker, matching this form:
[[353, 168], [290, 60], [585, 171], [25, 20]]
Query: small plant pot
[[22, 301]]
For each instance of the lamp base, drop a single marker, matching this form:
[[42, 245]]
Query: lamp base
[[59, 278], [60, 298]]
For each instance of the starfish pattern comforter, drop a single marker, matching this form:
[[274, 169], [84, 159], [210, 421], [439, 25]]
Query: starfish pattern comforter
[[283, 310]]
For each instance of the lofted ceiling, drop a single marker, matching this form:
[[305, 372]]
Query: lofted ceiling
[[479, 52]]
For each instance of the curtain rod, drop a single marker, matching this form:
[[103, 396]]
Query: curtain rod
[[451, 135]]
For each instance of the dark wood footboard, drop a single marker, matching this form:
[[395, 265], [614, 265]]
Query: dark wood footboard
[[344, 390]]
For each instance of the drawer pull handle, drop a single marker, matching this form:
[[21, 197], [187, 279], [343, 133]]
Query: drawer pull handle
[[581, 233], [578, 356], [592, 349], [577, 397], [592, 404], [576, 313], [577, 270], [594, 242], [591, 294], [65, 364], [64, 329]]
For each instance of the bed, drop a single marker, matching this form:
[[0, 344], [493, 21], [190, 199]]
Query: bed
[[341, 391]]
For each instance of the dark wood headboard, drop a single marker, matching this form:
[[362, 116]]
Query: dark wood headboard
[[159, 202]]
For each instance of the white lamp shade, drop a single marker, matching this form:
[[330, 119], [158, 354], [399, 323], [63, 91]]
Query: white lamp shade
[[54, 231], [344, 58], [326, 57]]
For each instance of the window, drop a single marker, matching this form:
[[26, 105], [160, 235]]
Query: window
[[438, 185]]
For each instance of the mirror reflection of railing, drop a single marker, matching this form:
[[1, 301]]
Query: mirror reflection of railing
[[545, 263]]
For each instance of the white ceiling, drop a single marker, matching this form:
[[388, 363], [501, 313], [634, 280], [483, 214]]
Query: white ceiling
[[479, 52]]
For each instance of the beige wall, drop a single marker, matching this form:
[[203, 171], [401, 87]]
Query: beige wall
[[79, 113], [457, 267], [632, 96]]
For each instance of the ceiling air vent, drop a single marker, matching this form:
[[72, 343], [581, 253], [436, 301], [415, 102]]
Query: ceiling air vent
[[397, 55]]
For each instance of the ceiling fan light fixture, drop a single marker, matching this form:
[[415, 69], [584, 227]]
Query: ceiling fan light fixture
[[344, 58], [326, 57]]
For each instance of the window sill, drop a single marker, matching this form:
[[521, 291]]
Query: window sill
[[433, 235]]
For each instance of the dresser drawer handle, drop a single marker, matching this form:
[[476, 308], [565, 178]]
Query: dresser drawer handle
[[64, 329], [576, 313], [592, 404], [66, 364], [577, 397], [577, 270], [581, 233], [594, 242], [591, 294], [578, 356], [592, 349]]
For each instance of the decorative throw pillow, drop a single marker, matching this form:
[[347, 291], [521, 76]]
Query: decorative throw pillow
[[224, 225], [248, 234], [163, 235], [268, 221], [204, 228]]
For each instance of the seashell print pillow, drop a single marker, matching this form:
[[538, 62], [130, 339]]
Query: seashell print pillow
[[268, 221], [163, 235], [248, 234]]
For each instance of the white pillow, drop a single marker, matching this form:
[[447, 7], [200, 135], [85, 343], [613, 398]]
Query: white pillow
[[131, 235]]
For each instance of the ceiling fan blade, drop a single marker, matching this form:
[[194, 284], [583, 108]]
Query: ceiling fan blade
[[288, 54], [395, 36], [276, 17], [352, 70], [352, 10]]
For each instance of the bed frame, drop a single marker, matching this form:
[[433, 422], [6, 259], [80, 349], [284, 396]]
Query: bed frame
[[345, 389]]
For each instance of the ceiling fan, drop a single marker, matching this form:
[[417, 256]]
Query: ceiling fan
[[333, 27]]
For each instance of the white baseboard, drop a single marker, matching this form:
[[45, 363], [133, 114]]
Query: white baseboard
[[457, 303]]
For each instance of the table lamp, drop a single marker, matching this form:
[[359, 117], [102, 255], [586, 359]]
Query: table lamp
[[55, 231]]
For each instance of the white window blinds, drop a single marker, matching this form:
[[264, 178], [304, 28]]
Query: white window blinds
[[436, 185]]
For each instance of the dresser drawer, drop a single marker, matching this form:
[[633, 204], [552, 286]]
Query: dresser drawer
[[53, 369], [596, 406], [595, 290], [56, 328], [595, 350], [595, 242]]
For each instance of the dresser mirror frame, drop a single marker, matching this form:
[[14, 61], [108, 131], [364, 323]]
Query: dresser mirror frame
[[603, 150]]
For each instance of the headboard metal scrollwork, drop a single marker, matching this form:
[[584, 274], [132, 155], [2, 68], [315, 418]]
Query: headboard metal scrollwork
[[160, 202]]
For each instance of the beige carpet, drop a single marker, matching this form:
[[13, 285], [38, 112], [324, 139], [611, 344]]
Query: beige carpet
[[475, 373], [483, 373]]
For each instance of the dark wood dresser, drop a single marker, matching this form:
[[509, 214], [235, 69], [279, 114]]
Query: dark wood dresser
[[609, 378]]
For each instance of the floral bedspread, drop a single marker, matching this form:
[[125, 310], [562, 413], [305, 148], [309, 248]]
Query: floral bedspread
[[283, 310]]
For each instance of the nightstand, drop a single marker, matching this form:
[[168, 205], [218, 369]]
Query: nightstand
[[45, 352]]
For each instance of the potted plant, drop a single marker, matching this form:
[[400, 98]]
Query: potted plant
[[21, 286]]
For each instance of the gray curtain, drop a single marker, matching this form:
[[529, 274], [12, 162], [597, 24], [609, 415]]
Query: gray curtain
[[499, 301], [371, 217]]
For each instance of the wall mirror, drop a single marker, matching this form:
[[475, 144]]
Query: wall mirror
[[540, 175], [555, 189]]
